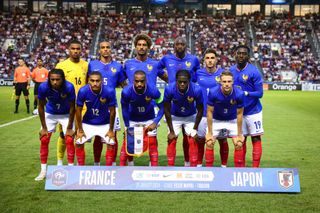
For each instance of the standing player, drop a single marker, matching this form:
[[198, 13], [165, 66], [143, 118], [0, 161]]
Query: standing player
[[183, 107], [137, 101], [112, 76], [97, 121], [248, 77], [75, 70], [21, 83], [142, 44], [207, 78], [58, 96], [39, 75], [224, 116], [180, 60]]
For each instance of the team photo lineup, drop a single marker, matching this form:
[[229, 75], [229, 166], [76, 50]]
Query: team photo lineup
[[205, 104]]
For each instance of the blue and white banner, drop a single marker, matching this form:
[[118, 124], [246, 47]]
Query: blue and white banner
[[140, 178]]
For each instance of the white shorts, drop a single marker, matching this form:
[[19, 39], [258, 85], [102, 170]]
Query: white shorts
[[202, 128], [95, 130], [186, 122], [52, 120], [145, 124], [252, 124], [224, 129], [117, 124]]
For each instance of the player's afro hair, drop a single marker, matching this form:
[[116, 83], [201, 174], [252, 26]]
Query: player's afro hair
[[142, 37]]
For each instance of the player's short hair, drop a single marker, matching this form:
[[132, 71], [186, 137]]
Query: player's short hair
[[180, 38], [142, 37], [104, 41], [243, 46], [226, 73], [210, 50], [139, 72], [74, 41], [39, 59], [183, 73], [58, 72], [96, 73]]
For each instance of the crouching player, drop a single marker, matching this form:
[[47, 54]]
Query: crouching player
[[99, 118], [138, 101], [183, 107], [224, 116], [58, 95]]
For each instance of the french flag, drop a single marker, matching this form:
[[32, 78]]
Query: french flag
[[137, 141]]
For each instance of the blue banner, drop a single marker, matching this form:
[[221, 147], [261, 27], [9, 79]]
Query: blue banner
[[140, 178]]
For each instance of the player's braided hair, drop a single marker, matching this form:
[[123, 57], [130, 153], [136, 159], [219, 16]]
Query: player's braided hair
[[58, 72]]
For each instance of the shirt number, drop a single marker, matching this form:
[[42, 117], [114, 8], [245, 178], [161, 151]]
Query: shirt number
[[141, 109], [78, 81], [105, 81], [95, 112]]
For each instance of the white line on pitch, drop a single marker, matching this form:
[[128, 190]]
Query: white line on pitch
[[17, 121]]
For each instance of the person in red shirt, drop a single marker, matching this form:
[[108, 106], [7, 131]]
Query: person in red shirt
[[39, 75], [21, 83]]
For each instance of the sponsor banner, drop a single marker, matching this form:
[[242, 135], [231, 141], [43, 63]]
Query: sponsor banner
[[6, 82], [161, 85], [141, 178], [284, 86], [310, 87]]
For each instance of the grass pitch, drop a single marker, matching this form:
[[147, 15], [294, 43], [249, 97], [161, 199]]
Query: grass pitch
[[291, 124]]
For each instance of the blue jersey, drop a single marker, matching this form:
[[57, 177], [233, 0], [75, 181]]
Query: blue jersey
[[57, 100], [206, 81], [112, 73], [183, 105], [173, 64], [97, 104], [149, 66], [225, 106], [250, 80], [140, 107]]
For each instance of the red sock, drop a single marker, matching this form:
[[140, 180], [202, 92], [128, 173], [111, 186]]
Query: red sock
[[81, 154], [244, 148], [200, 151], [70, 149], [209, 156], [185, 147], [193, 151], [97, 149], [123, 154], [44, 148], [153, 150], [224, 152], [115, 148], [238, 158], [110, 154], [171, 152], [256, 153]]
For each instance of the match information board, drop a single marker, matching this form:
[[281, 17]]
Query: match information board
[[140, 178]]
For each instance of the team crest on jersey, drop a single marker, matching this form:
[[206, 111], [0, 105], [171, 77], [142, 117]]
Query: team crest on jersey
[[190, 99], [113, 70], [63, 96], [150, 67], [285, 178], [217, 79], [103, 100], [244, 77], [148, 99], [233, 102], [188, 64]]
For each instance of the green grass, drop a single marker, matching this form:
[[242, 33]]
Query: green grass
[[291, 123]]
